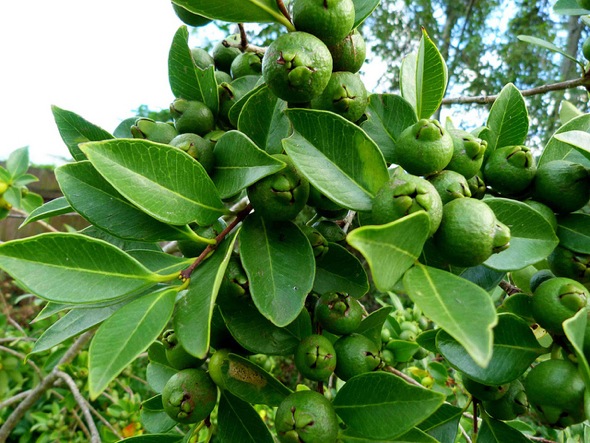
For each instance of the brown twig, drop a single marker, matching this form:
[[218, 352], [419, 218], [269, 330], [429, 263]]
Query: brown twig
[[400, 374], [539, 439], [186, 273], [46, 383], [14, 399], [485, 99], [46, 225], [475, 414], [509, 288], [284, 10]]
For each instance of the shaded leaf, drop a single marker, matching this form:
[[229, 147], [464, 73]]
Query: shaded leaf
[[573, 231], [372, 325], [363, 9], [496, 431], [556, 149], [337, 157], [239, 422], [580, 140], [450, 301], [158, 374], [339, 270], [163, 181], [443, 425], [568, 7], [153, 417]]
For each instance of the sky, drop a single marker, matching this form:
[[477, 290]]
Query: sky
[[100, 60]]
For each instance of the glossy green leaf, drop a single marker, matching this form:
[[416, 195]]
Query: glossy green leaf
[[160, 262], [263, 120], [125, 245], [125, 335], [239, 422], [412, 436], [237, 11], [339, 270], [450, 301], [242, 88], [186, 79], [550, 46], [380, 405], [372, 324], [508, 120], [96, 200], [31, 201], [567, 112], [153, 417], [24, 179], [579, 140], [17, 162], [73, 268], [496, 431], [337, 157], [573, 231], [556, 149], [531, 237], [387, 116], [363, 9], [393, 248], [153, 438], [73, 323], [443, 425], [250, 382], [280, 265], [51, 309], [568, 7], [258, 335], [158, 374], [163, 181], [192, 320], [53, 208], [575, 330], [75, 130], [483, 276], [240, 163], [515, 348]]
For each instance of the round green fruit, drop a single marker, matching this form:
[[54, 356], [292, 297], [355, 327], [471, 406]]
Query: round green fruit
[[306, 416], [176, 355], [148, 129], [405, 194], [222, 77], [566, 263], [355, 354], [424, 148], [562, 185], [190, 18], [477, 186], [510, 405], [349, 54], [192, 116], [468, 153], [189, 396], [280, 196], [297, 67], [556, 300], [324, 206], [197, 147], [345, 95], [202, 58], [510, 170], [586, 47], [224, 52], [450, 185], [329, 20], [338, 313], [246, 63], [539, 277], [469, 233], [555, 389], [484, 392], [315, 357]]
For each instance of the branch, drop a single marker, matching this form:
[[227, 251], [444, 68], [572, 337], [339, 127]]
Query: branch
[[35, 394], [485, 99], [46, 225], [400, 374], [14, 399], [95, 436], [243, 44]]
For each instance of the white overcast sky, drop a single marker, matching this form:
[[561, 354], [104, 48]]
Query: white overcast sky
[[98, 59]]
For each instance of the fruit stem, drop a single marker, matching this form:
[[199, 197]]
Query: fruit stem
[[240, 216], [475, 423], [284, 10]]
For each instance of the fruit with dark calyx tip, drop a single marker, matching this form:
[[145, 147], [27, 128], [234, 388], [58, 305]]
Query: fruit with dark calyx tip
[[450, 185], [247, 63], [202, 58], [355, 354], [349, 54], [424, 148], [297, 67], [189, 396], [539, 277], [317, 241], [469, 233], [225, 51], [148, 129], [566, 263], [190, 18], [338, 313], [344, 95], [468, 153], [279, 196], [176, 355], [555, 389], [510, 405], [192, 116], [197, 147], [562, 185], [510, 170], [329, 20], [405, 194], [556, 300], [330, 230], [477, 187], [306, 416], [484, 392], [315, 357]]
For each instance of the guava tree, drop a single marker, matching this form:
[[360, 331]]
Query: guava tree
[[306, 261]]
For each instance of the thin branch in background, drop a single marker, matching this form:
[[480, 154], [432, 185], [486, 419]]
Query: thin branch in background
[[105, 422], [539, 439], [95, 436], [464, 434], [14, 399], [46, 383], [23, 357], [81, 425], [6, 312], [400, 374], [46, 225], [485, 99]]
